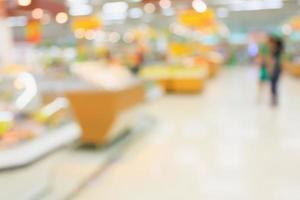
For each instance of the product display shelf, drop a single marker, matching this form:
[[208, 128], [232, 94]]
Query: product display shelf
[[177, 79], [102, 114], [30, 151], [213, 68], [293, 68], [187, 85]]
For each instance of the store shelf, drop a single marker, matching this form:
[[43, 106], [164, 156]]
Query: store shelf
[[29, 152]]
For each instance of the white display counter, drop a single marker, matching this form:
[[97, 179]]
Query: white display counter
[[28, 152]]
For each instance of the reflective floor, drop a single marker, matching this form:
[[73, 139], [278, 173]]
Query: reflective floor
[[220, 145]]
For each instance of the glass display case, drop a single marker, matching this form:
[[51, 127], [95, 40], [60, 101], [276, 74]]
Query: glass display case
[[29, 118]]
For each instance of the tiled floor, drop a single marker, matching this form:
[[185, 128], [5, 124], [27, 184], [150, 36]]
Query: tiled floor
[[220, 145]]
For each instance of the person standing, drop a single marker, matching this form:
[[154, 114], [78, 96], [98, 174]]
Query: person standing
[[138, 59], [276, 46]]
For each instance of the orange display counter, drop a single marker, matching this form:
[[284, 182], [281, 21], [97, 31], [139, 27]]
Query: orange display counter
[[186, 85], [213, 68], [96, 111], [292, 68], [182, 85], [177, 79]]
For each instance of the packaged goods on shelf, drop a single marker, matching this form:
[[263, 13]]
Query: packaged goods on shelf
[[215, 60], [177, 78], [104, 76]]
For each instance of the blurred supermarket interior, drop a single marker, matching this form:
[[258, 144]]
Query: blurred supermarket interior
[[149, 99]]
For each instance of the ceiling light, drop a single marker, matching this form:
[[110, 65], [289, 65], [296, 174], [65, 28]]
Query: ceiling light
[[79, 33], [256, 5], [77, 2], [199, 6], [46, 18], [177, 29], [135, 13], [61, 17], [114, 37], [81, 10], [115, 7], [17, 21], [114, 11], [100, 36], [24, 2], [37, 13], [149, 8], [165, 4], [90, 35], [225, 2], [128, 37]]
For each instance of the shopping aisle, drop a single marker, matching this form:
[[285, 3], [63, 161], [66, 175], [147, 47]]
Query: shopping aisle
[[218, 145]]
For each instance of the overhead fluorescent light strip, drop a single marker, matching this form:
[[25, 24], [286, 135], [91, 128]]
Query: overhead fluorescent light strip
[[81, 10], [17, 21], [114, 11], [256, 5], [76, 2], [136, 13]]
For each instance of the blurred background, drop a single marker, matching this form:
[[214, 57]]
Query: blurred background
[[150, 99]]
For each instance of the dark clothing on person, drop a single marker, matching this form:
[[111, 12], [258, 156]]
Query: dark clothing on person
[[275, 76]]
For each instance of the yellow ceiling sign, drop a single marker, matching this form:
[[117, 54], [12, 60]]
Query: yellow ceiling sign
[[295, 23], [197, 20], [86, 23], [33, 31]]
